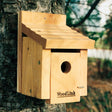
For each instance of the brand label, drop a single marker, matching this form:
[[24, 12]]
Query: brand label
[[66, 94]]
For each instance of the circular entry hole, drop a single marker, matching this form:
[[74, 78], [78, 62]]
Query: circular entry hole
[[65, 67]]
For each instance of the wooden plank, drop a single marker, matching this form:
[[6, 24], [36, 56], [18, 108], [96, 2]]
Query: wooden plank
[[35, 73], [64, 84], [62, 36], [59, 41], [50, 30], [33, 35], [82, 84], [45, 26], [45, 84], [19, 55], [69, 44], [27, 73], [54, 28], [56, 33], [66, 34], [42, 18]]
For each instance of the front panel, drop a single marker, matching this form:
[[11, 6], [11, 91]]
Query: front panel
[[65, 74]]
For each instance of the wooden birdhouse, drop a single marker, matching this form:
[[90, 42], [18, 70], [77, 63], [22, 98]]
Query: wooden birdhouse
[[52, 58]]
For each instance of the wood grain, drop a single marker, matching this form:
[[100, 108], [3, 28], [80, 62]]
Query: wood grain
[[64, 82], [43, 18], [50, 31], [60, 40], [69, 44], [19, 55], [82, 83], [35, 73]]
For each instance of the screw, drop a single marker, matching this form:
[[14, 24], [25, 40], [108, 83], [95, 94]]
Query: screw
[[45, 18], [80, 87], [39, 62], [28, 48], [30, 91]]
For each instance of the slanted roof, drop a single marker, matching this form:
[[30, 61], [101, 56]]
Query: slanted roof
[[51, 32]]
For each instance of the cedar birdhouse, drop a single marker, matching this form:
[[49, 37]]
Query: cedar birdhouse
[[52, 58]]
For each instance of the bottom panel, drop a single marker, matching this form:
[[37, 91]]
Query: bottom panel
[[65, 73]]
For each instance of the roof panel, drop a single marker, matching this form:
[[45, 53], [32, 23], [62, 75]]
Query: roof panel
[[54, 35]]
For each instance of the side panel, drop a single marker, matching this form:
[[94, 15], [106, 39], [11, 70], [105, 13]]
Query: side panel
[[82, 86], [33, 82], [19, 55]]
